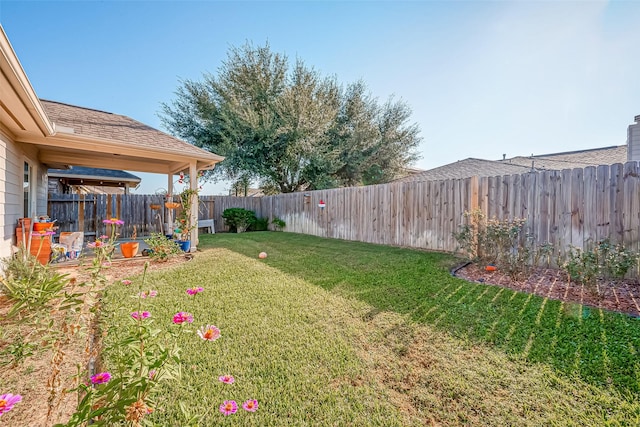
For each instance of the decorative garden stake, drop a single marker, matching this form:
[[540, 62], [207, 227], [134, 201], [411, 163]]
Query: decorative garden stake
[[321, 205]]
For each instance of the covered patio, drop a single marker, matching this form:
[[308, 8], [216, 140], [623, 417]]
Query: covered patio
[[98, 139]]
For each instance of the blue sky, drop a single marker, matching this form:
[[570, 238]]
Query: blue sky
[[483, 78]]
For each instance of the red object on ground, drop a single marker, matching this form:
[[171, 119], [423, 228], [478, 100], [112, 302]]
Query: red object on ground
[[491, 268]]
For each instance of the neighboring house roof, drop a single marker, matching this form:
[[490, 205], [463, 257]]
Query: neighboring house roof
[[466, 168], [574, 159], [517, 165], [94, 174]]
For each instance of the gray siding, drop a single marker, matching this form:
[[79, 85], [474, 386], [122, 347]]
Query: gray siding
[[633, 142], [10, 192]]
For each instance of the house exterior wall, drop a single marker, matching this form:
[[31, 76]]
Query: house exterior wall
[[11, 194], [12, 158], [633, 141]]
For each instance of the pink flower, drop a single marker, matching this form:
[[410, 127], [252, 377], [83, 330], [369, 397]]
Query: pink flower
[[140, 315], [8, 400], [150, 294], [250, 405], [115, 221], [194, 290], [227, 379], [209, 333], [103, 237], [101, 378], [126, 282], [152, 374], [229, 407], [181, 317]]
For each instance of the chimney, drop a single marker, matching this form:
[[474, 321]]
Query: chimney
[[633, 140], [504, 157]]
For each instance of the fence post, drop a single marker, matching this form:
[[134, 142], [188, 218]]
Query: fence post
[[81, 198], [474, 192]]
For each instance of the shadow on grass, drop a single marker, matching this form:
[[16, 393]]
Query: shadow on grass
[[600, 347]]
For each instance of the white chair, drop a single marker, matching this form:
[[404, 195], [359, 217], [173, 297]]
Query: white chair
[[208, 224]]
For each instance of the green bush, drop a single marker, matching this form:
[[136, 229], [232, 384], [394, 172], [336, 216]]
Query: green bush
[[503, 243], [604, 260], [238, 219], [582, 266], [260, 224], [278, 224]]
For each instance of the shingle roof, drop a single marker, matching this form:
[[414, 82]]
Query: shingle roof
[[517, 165], [466, 168], [94, 173], [101, 124], [574, 159]]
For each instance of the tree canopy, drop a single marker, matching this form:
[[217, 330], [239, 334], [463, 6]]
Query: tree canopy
[[289, 127]]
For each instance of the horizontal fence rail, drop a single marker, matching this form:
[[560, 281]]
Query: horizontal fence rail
[[575, 207]]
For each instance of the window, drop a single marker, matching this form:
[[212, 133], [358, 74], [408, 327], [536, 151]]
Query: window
[[28, 190]]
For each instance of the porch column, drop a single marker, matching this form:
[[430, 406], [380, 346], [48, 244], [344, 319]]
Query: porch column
[[168, 226], [170, 186], [195, 208]]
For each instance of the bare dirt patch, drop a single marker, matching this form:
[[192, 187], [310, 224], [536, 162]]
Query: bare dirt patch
[[29, 379], [620, 295]]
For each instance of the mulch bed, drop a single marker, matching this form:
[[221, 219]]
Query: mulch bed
[[620, 295]]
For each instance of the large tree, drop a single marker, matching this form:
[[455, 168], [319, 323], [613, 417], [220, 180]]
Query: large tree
[[289, 127]]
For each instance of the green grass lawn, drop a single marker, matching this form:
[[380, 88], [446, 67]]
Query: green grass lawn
[[328, 332]]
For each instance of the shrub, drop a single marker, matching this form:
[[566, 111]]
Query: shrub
[[604, 260], [616, 260], [581, 266], [260, 224], [469, 235], [238, 219], [278, 224], [503, 243]]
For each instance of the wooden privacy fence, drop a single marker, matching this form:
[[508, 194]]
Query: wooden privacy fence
[[85, 212], [570, 207]]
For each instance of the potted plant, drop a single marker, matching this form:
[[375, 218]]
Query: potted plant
[[161, 248], [130, 249], [184, 225]]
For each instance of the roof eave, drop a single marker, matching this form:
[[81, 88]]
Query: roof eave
[[22, 86], [94, 177], [93, 143]]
